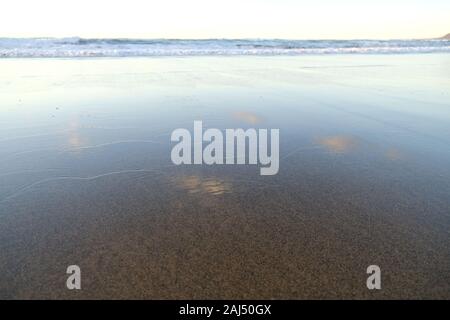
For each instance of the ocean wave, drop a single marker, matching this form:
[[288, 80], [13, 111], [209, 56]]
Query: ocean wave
[[80, 47]]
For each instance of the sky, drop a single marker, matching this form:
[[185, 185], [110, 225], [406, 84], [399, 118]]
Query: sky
[[200, 19]]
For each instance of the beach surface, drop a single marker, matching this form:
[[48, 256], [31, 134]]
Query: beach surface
[[86, 178]]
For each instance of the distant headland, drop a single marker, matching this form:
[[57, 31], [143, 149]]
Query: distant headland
[[446, 37]]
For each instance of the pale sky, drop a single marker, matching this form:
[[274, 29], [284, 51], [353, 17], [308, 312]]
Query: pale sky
[[195, 19]]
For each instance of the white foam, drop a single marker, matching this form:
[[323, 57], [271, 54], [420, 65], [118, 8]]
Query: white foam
[[77, 47]]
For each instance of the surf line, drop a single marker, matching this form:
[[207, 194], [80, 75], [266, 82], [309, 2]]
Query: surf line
[[189, 150]]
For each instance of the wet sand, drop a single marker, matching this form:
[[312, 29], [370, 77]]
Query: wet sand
[[86, 178]]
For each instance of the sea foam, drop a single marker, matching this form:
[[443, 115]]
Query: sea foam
[[79, 47]]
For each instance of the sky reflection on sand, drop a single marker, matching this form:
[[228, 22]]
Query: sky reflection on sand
[[364, 177]]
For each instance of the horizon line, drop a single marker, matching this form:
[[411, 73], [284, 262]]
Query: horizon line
[[225, 38]]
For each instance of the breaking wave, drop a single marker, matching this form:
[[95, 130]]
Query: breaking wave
[[79, 47]]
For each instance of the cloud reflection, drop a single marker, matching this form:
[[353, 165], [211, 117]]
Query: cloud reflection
[[196, 184], [339, 144], [75, 141], [248, 117]]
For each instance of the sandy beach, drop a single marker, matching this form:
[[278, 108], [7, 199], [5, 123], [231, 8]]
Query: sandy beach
[[86, 178]]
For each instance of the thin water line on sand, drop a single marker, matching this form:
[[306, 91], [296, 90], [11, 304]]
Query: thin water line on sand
[[71, 150], [30, 151], [381, 121], [28, 171], [77, 178], [34, 136], [109, 144]]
